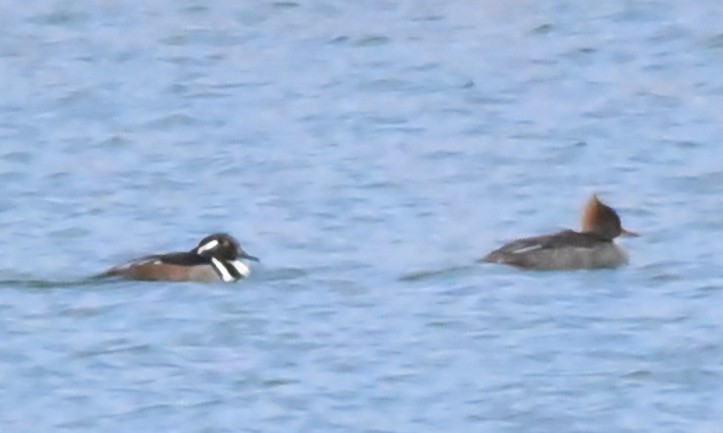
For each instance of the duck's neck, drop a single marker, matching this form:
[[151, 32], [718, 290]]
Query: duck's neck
[[597, 236], [230, 270]]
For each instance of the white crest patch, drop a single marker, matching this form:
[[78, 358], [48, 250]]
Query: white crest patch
[[225, 274], [207, 246]]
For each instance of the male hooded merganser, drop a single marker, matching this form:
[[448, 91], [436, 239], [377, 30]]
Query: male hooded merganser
[[216, 258], [592, 247]]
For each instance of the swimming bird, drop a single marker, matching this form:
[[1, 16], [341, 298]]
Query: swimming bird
[[217, 257], [591, 247]]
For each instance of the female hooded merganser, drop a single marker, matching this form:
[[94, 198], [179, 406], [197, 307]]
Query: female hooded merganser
[[592, 247], [216, 258]]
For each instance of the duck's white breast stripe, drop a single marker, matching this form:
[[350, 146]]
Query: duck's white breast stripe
[[221, 269], [241, 267]]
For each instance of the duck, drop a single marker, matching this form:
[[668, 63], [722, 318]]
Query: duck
[[592, 247], [216, 258]]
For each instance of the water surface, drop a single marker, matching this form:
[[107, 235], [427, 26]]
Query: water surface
[[369, 153]]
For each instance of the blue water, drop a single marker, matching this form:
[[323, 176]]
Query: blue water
[[368, 152]]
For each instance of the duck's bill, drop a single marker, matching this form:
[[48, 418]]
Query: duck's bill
[[247, 256], [628, 234]]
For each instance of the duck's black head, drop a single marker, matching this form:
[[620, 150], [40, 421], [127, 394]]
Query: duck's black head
[[223, 247]]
